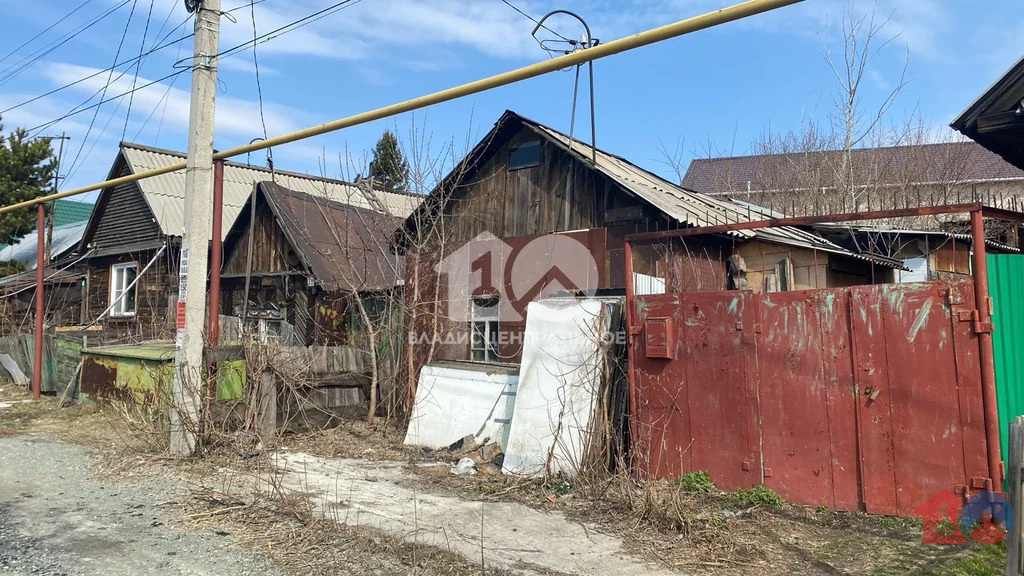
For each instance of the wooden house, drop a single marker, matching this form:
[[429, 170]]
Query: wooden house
[[309, 257], [132, 240], [509, 207]]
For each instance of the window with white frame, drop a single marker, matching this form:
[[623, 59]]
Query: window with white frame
[[484, 345], [122, 293]]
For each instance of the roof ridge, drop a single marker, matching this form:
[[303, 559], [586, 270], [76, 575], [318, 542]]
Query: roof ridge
[[236, 164], [861, 149]]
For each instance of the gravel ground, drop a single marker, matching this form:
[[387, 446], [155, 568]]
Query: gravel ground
[[57, 518]]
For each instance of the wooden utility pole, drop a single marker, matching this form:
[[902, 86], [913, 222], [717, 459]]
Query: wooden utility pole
[[53, 205], [195, 241]]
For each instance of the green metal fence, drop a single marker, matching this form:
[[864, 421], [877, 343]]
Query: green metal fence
[[1006, 287]]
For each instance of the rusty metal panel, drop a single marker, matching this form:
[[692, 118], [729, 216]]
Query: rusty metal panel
[[661, 424], [967, 350], [922, 377], [874, 412], [717, 336], [807, 408], [699, 414], [866, 397]]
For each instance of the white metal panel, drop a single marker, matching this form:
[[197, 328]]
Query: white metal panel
[[455, 402], [560, 383]]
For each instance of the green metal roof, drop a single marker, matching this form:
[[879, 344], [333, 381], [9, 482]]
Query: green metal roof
[[69, 212], [160, 351]]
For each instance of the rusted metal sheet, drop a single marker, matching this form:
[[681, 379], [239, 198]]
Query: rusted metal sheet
[[677, 420], [855, 398], [922, 382], [719, 331], [874, 412], [807, 406]]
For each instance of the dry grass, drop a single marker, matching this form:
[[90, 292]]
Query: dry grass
[[233, 489], [705, 533], [252, 505]]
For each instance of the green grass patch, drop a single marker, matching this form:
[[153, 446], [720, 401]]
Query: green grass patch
[[697, 482], [761, 496]]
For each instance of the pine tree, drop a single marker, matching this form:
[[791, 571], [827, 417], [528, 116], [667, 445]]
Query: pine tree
[[388, 167], [26, 171]]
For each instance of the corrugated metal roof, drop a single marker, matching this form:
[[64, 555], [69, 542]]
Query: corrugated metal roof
[[347, 248], [966, 238], [692, 208], [166, 193], [939, 162], [52, 275], [65, 238], [71, 211]]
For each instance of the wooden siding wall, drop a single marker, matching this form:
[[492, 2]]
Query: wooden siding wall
[[531, 201], [685, 264], [155, 295], [271, 251], [810, 268], [125, 219], [954, 257]]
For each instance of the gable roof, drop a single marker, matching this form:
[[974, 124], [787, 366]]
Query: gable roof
[[165, 194], [886, 166], [344, 247], [686, 207], [996, 119]]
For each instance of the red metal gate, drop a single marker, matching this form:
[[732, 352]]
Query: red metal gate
[[855, 398]]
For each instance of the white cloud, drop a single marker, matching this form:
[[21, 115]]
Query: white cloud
[[235, 116]]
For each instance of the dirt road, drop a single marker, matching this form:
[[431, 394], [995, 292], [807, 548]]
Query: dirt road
[[57, 518]]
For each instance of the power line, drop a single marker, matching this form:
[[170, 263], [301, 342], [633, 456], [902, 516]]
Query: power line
[[138, 64], [305, 21], [534, 20], [114, 67], [266, 37], [620, 45], [48, 28], [256, 64], [117, 55], [48, 49]]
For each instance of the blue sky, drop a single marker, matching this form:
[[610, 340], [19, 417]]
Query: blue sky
[[712, 92]]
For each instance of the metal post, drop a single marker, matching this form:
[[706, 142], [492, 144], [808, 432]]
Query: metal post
[[631, 360], [195, 241], [213, 334], [37, 360], [984, 329], [213, 308]]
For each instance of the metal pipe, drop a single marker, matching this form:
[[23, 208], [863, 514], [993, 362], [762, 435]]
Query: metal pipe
[[984, 330], [631, 361], [645, 38], [807, 220], [37, 361], [215, 252]]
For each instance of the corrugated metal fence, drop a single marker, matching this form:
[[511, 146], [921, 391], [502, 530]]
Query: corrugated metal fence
[[855, 398], [1006, 287]]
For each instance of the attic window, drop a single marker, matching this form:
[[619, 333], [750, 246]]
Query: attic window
[[525, 155]]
